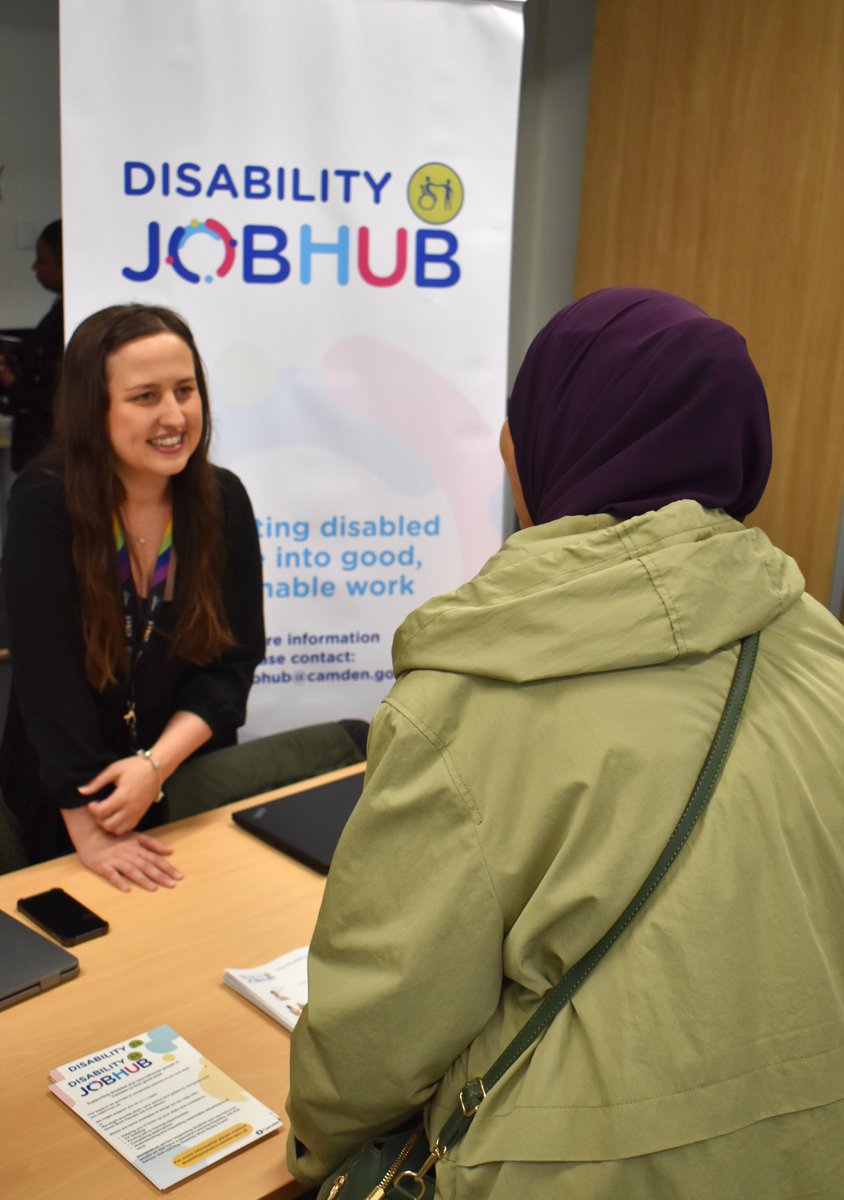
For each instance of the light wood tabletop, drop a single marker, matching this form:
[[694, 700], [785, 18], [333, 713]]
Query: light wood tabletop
[[240, 904]]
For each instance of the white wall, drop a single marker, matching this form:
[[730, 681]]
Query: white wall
[[29, 152]]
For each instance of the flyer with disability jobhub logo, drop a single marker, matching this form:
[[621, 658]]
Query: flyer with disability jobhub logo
[[167, 1109]]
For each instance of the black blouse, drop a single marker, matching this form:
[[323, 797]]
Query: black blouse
[[60, 731], [31, 395]]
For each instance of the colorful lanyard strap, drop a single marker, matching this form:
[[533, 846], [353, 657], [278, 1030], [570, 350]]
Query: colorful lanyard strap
[[131, 607]]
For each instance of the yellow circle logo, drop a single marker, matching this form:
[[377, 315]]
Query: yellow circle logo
[[435, 193]]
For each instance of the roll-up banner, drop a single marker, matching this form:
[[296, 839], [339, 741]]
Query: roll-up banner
[[323, 189]]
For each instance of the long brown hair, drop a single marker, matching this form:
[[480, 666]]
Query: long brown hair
[[93, 492]]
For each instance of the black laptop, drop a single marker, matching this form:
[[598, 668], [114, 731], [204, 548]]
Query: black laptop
[[306, 825]]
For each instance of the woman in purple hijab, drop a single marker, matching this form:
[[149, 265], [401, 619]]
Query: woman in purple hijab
[[547, 724], [630, 399]]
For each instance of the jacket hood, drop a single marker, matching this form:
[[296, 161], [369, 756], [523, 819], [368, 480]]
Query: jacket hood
[[587, 594]]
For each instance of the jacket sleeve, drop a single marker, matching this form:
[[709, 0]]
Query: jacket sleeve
[[218, 692], [405, 962], [51, 688]]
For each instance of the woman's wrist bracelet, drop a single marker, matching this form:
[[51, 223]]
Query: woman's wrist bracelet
[[156, 766]]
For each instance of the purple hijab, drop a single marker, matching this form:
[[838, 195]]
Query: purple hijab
[[630, 399]]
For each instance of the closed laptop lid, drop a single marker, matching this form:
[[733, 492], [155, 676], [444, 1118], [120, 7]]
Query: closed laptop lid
[[306, 825], [29, 962]]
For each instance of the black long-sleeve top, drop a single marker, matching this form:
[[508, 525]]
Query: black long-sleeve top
[[30, 397], [60, 732]]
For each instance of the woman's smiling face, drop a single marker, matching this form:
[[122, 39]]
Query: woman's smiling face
[[155, 410]]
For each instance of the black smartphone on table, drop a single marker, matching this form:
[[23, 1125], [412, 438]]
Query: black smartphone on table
[[57, 913]]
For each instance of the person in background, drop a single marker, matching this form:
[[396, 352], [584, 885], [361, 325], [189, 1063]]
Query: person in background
[[547, 725], [132, 577], [28, 384]]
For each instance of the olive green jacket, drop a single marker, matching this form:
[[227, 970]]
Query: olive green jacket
[[546, 728]]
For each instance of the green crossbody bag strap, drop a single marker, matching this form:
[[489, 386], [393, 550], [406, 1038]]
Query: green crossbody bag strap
[[472, 1094]]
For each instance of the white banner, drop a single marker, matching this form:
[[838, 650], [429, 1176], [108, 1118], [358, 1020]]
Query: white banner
[[323, 188]]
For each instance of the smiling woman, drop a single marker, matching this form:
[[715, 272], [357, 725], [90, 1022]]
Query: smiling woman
[[132, 575]]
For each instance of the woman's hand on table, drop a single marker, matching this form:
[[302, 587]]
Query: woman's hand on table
[[125, 859], [136, 786], [132, 858]]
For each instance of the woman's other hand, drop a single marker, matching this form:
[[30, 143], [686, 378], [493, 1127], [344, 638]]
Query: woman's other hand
[[124, 859], [136, 786]]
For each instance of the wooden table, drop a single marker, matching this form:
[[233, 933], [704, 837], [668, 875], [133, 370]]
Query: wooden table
[[241, 903]]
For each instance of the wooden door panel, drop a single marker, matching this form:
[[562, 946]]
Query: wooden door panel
[[715, 169]]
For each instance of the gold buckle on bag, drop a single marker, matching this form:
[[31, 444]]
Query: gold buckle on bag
[[417, 1177], [470, 1112]]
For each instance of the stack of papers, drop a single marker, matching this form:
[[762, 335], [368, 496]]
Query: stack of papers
[[279, 988]]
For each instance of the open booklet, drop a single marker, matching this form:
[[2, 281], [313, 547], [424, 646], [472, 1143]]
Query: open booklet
[[279, 988], [162, 1105]]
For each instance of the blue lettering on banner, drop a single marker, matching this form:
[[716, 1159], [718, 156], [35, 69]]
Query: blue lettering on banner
[[189, 184], [266, 255], [264, 243], [362, 569], [341, 248], [221, 181], [271, 253], [444, 259], [254, 181]]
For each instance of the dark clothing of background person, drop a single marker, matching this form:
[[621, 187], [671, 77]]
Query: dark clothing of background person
[[30, 397], [28, 381], [59, 730]]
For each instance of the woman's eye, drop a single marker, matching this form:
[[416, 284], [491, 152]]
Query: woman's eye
[[185, 393], [145, 398]]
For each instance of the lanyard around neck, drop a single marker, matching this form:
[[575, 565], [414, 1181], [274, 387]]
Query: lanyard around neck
[[135, 645]]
